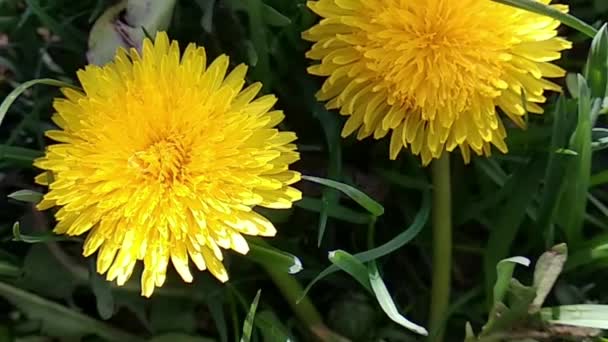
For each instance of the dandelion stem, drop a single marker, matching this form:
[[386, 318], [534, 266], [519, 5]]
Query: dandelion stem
[[292, 291], [442, 245]]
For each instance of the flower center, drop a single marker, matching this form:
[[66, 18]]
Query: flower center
[[163, 160], [435, 56]]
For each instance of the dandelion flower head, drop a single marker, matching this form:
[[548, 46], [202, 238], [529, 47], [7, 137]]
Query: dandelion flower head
[[161, 158], [433, 73]]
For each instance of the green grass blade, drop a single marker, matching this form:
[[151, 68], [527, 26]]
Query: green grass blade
[[351, 265], [334, 210], [13, 95], [356, 195], [248, 323], [394, 244], [564, 18], [386, 301], [263, 253]]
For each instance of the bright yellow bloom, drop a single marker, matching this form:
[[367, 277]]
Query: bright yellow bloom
[[433, 72], [163, 159]]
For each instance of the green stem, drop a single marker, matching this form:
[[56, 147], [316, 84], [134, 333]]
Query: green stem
[[442, 245], [304, 309]]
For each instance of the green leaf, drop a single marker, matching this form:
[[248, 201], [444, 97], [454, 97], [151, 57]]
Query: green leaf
[[386, 301], [173, 314], [248, 323], [554, 173], [8, 269], [28, 196], [19, 156], [351, 265], [540, 8], [216, 309], [59, 321], [504, 272], [102, 290], [394, 244], [273, 18], [573, 202], [356, 195], [503, 318], [44, 274], [13, 95], [271, 327], [548, 268], [263, 253], [173, 337], [596, 68], [505, 225], [584, 315], [334, 210], [38, 238]]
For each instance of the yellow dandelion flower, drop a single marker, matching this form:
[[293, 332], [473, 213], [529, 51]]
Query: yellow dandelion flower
[[163, 158], [433, 72]]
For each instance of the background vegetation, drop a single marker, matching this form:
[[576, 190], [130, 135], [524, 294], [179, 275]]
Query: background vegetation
[[521, 204]]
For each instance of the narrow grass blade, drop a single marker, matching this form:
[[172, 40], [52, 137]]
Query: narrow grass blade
[[386, 301], [248, 324], [351, 265], [394, 244], [277, 259], [334, 210], [540, 8], [10, 98], [356, 195]]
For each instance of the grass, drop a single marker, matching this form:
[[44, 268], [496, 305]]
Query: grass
[[376, 212]]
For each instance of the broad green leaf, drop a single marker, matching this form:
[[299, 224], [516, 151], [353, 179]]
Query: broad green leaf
[[540, 8], [351, 265], [596, 68], [573, 202], [271, 327], [504, 272], [19, 156], [548, 268], [216, 309], [504, 318], [584, 315], [599, 178], [102, 290], [397, 242], [28, 196], [172, 314], [10, 98], [386, 301], [554, 174], [46, 275], [356, 195], [248, 323], [59, 321], [273, 18], [267, 255], [8, 269], [177, 337], [524, 183]]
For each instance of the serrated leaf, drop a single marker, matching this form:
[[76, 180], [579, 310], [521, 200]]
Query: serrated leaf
[[386, 301]]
